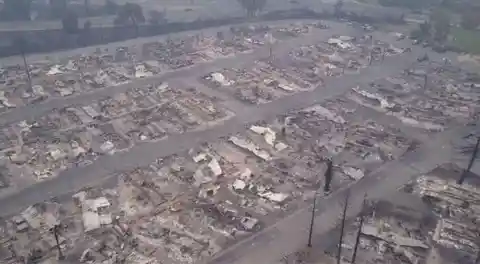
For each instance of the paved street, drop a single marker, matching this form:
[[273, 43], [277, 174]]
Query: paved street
[[290, 234], [143, 154], [287, 235], [33, 111]]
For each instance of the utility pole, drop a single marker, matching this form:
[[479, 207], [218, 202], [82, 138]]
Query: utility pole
[[55, 234], [477, 260], [470, 164], [27, 69], [312, 220], [425, 80], [21, 44], [134, 65], [359, 232], [328, 176], [342, 227], [270, 41], [370, 60]]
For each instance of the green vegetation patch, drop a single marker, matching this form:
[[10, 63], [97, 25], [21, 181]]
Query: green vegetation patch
[[466, 40], [411, 4]]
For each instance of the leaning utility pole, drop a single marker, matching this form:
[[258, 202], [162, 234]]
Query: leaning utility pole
[[359, 232], [55, 234], [342, 227], [470, 164]]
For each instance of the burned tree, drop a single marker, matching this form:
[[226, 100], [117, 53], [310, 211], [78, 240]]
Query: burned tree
[[252, 7], [130, 14], [55, 234]]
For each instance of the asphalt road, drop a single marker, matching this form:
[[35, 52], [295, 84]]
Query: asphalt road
[[290, 234], [142, 154], [32, 111]]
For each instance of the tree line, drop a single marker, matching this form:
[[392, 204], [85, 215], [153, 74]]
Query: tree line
[[21, 10]]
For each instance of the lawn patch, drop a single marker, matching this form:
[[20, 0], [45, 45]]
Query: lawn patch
[[466, 40]]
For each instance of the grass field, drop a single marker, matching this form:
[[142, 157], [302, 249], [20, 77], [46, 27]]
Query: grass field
[[466, 40]]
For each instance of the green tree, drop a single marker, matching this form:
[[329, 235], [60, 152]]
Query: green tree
[[410, 4], [253, 7], [337, 8], [440, 21], [425, 29], [422, 32], [85, 33], [16, 10], [70, 22], [87, 26], [58, 8], [110, 7], [130, 14], [86, 4], [156, 17]]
